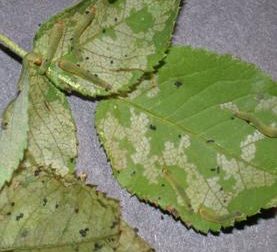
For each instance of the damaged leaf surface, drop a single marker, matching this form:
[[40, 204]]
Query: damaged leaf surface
[[52, 133], [40, 212], [177, 140], [115, 41], [13, 138]]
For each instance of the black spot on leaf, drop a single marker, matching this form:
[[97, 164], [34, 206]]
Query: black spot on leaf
[[44, 202], [37, 172], [210, 141], [98, 246], [178, 84], [20, 216], [114, 224], [83, 232], [152, 127]]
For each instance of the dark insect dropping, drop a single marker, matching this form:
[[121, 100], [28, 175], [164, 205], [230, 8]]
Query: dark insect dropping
[[210, 141], [111, 61], [87, 12], [162, 218], [115, 19], [20, 216], [57, 206], [37, 172], [44, 202], [178, 84], [104, 30], [98, 246], [163, 185], [114, 224], [12, 204], [78, 65], [152, 127], [83, 232], [87, 58], [76, 210], [136, 229]]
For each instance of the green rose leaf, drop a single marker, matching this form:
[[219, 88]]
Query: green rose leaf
[[52, 140], [184, 146], [13, 138], [103, 47], [40, 212], [130, 241]]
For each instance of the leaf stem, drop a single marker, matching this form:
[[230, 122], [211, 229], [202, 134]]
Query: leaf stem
[[12, 46]]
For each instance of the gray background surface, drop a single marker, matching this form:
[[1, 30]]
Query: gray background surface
[[245, 28]]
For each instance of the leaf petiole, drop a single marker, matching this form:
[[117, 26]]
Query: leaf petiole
[[12, 46]]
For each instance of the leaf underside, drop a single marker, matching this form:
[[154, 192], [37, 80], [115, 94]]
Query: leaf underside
[[52, 140], [40, 212], [175, 141], [13, 138], [124, 40]]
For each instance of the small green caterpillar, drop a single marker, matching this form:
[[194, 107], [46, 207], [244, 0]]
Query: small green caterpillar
[[211, 215], [84, 74], [54, 40], [178, 189], [263, 128], [82, 25]]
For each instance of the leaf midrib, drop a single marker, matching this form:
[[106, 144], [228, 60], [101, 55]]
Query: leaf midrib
[[189, 132]]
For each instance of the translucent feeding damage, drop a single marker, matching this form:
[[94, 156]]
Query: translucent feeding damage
[[13, 138], [99, 47], [52, 132], [47, 213], [166, 148], [43, 213]]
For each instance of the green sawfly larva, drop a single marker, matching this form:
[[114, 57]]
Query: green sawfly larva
[[81, 26], [54, 40], [258, 124], [212, 216], [84, 74], [179, 190]]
